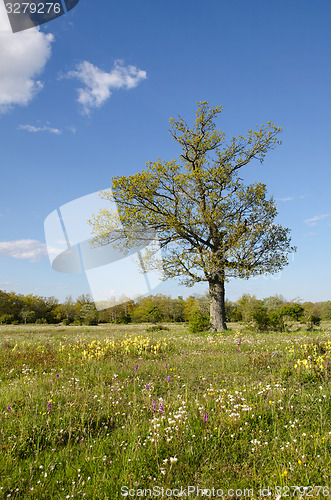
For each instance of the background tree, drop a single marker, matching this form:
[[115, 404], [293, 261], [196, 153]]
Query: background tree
[[211, 226]]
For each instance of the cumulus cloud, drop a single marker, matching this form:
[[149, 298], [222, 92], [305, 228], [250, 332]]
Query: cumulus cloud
[[22, 58], [32, 128], [313, 220], [32, 250], [99, 84]]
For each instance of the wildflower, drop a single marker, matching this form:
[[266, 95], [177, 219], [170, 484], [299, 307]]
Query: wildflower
[[185, 351], [136, 368], [49, 405], [239, 342], [205, 417], [166, 366], [147, 387], [173, 460], [154, 406], [168, 379], [9, 408], [161, 407], [57, 375]]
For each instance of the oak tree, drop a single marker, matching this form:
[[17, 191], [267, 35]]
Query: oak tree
[[210, 225]]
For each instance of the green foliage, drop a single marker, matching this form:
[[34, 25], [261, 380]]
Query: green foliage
[[6, 319], [156, 328], [312, 320], [88, 314], [198, 322], [292, 311], [264, 320]]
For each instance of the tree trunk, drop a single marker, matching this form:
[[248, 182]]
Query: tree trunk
[[217, 305]]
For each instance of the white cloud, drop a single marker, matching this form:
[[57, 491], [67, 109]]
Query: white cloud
[[288, 198], [311, 233], [32, 128], [313, 221], [32, 250], [23, 57], [99, 84], [72, 129]]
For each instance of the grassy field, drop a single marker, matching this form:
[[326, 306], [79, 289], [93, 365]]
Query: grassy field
[[115, 411]]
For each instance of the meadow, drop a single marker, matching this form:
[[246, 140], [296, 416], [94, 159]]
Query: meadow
[[116, 411]]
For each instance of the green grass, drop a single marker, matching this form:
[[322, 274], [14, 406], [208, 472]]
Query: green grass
[[165, 408]]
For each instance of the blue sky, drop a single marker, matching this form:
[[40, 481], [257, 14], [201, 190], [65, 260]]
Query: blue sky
[[88, 96]]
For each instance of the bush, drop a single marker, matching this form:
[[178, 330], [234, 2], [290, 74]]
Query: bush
[[41, 321], [156, 328], [265, 321], [198, 322], [313, 320], [261, 318], [6, 319]]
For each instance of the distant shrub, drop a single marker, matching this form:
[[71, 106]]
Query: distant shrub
[[6, 319], [265, 321], [89, 315], [156, 328], [41, 321], [198, 322], [312, 320]]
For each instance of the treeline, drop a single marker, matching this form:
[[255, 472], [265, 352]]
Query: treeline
[[23, 309], [269, 313]]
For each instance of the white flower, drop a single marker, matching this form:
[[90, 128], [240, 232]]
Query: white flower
[[173, 460]]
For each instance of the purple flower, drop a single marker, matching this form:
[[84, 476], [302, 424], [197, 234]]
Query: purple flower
[[239, 341], [205, 417], [57, 375], [147, 387], [154, 406], [49, 405], [168, 379], [136, 369], [185, 351], [9, 408], [166, 366], [238, 350], [161, 408]]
